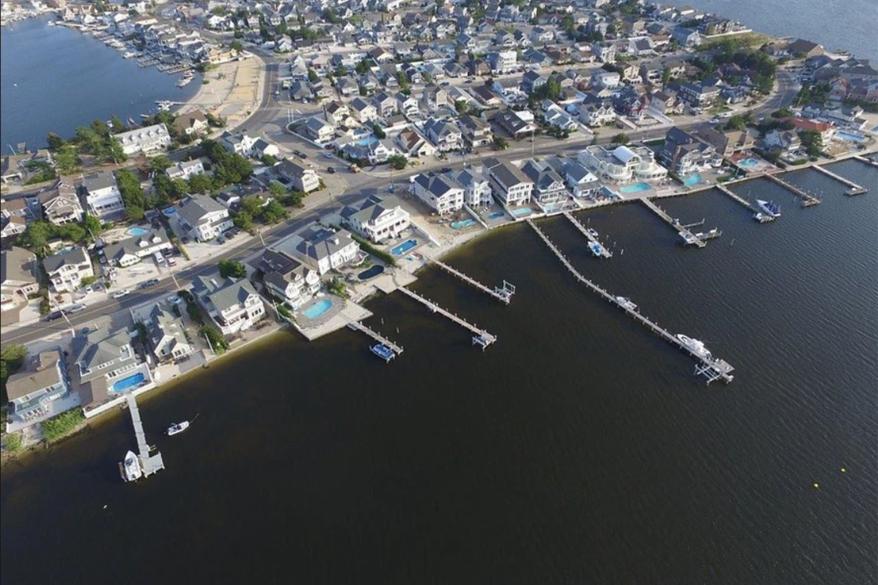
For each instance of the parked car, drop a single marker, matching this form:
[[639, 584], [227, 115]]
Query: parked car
[[300, 154], [330, 170], [53, 316], [121, 293], [149, 283], [75, 308], [172, 261]]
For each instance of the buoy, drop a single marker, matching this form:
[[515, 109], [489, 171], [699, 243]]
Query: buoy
[[843, 470], [105, 506], [816, 486]]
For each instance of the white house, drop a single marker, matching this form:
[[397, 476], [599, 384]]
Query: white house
[[326, 250], [622, 163], [134, 249], [203, 219], [146, 140], [233, 306], [377, 219], [101, 195], [318, 130], [185, 169], [286, 278], [440, 192], [509, 184], [300, 178], [476, 186], [238, 143], [67, 269], [32, 390]]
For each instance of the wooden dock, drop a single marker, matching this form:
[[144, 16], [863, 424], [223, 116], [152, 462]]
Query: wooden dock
[[853, 188], [808, 199], [150, 463], [480, 337], [685, 233], [357, 326], [866, 160], [734, 196], [710, 367], [589, 234], [502, 293]]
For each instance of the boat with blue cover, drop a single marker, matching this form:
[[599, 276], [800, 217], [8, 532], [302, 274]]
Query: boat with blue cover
[[383, 352]]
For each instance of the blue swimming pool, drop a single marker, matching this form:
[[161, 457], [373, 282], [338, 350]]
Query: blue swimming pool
[[137, 231], [462, 224], [128, 382], [367, 141], [850, 136], [404, 247], [748, 163], [635, 188], [692, 180], [522, 211], [317, 308], [496, 215]]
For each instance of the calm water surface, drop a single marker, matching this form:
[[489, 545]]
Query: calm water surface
[[578, 449], [54, 79]]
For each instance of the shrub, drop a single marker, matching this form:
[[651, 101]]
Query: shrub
[[62, 425]]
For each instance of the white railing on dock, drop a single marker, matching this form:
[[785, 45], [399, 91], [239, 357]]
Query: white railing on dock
[[149, 463], [480, 336], [734, 196], [808, 199], [589, 235], [502, 293], [853, 188], [711, 367], [357, 326], [685, 232]]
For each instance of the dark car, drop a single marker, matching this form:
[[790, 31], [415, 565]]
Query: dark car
[[330, 170], [53, 316], [149, 283], [300, 154]]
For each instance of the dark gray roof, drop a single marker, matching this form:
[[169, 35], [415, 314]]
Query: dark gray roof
[[222, 293], [197, 206], [98, 181], [321, 243], [75, 255], [97, 347], [17, 264], [133, 244], [508, 175]]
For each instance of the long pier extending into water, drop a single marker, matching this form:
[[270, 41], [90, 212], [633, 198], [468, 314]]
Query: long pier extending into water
[[808, 199], [480, 337], [590, 235], [866, 160], [149, 463], [734, 196], [711, 367], [685, 233], [358, 326], [853, 188], [502, 293]]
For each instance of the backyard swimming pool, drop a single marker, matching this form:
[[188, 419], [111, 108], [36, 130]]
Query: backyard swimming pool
[[371, 272], [137, 231], [522, 211], [317, 308], [635, 188], [462, 224], [128, 382], [404, 247], [496, 215], [850, 136], [748, 163], [692, 180], [367, 141]]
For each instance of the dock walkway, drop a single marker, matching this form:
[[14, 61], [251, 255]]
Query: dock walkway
[[589, 234], [853, 188], [713, 368], [357, 326], [480, 336], [150, 463], [734, 196], [866, 160], [808, 199], [502, 293], [687, 235]]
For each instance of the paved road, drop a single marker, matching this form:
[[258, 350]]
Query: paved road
[[320, 205]]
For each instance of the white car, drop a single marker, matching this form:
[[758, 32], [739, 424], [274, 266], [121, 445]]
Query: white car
[[121, 293]]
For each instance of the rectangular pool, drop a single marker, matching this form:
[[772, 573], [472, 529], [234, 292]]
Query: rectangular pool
[[404, 247], [128, 382], [317, 308], [692, 180], [635, 188], [462, 224], [522, 211]]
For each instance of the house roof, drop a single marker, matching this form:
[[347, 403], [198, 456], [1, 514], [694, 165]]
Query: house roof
[[98, 181], [76, 255], [223, 294], [99, 346], [508, 175], [321, 243], [41, 373], [133, 244], [197, 206], [17, 265]]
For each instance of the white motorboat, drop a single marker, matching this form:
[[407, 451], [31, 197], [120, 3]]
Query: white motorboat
[[130, 467], [177, 428], [694, 345], [770, 208], [626, 303]]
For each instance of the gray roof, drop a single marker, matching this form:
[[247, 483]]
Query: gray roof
[[371, 209], [133, 244], [97, 347], [40, 374], [197, 206], [17, 265], [509, 175], [75, 255], [223, 294], [437, 184], [98, 181], [321, 243]]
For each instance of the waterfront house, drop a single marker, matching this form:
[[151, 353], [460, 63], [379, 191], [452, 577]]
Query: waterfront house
[[286, 278], [786, 142], [191, 124], [509, 185], [203, 219], [14, 216], [377, 219], [476, 186], [579, 180], [60, 203], [101, 195], [67, 269], [32, 390], [549, 186], [234, 306], [165, 335], [18, 277], [134, 249], [298, 177], [324, 249], [185, 169], [685, 153], [144, 140], [622, 163], [441, 192], [105, 366]]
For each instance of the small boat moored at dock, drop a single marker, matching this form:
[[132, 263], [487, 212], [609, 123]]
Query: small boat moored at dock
[[177, 428], [383, 352], [770, 208], [626, 303], [694, 345], [130, 467]]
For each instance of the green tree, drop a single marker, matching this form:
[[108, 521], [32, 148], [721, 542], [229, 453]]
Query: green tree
[[620, 138], [201, 183], [92, 225], [118, 124], [461, 106], [232, 269], [54, 141], [363, 66], [312, 76], [67, 159], [243, 220], [159, 164], [277, 189], [236, 46], [500, 143], [11, 358], [397, 161], [273, 212], [36, 237], [378, 131]]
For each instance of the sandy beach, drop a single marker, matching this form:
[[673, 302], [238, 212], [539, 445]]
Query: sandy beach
[[232, 90]]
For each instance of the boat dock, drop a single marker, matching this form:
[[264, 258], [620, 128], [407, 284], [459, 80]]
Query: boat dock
[[808, 199], [605, 253], [734, 196], [687, 235], [480, 336], [502, 293], [853, 188], [150, 463], [357, 326], [866, 160], [710, 367]]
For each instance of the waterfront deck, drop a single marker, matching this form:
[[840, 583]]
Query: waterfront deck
[[853, 188], [502, 293], [358, 326], [480, 337], [688, 236], [150, 463], [710, 367], [589, 234], [808, 199]]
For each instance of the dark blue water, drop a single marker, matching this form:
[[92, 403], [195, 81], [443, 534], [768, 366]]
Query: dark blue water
[[577, 449], [54, 79]]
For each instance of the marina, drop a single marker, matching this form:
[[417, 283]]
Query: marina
[[710, 367], [480, 336]]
